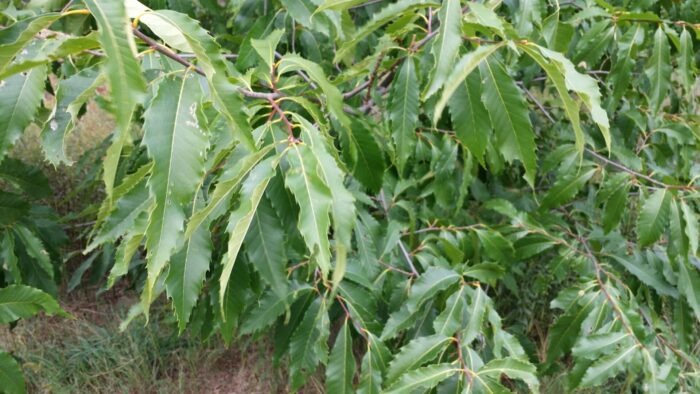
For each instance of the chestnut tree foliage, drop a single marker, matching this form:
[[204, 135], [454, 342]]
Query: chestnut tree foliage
[[405, 196]]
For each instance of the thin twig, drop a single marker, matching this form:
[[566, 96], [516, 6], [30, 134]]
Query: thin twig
[[261, 95], [372, 77], [536, 101], [67, 6], [604, 159], [443, 228]]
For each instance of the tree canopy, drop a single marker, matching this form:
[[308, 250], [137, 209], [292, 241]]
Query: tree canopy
[[483, 196]]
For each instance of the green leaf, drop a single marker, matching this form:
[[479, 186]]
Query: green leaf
[[16, 36], [686, 62], [414, 354], [35, 249], [126, 82], [609, 366], [374, 363], [187, 272], [123, 217], [269, 308], [20, 302], [303, 12], [127, 184], [387, 14], [13, 207], [177, 145], [469, 117], [486, 272], [659, 70], [615, 206], [653, 217], [678, 245], [689, 286], [621, 73], [11, 374], [71, 94], [594, 42], [368, 167], [509, 115], [565, 189], [403, 111], [495, 245], [514, 369], [343, 203], [334, 100], [446, 45], [648, 276], [314, 199], [592, 346], [683, 323], [563, 334], [422, 378], [159, 25], [41, 51], [529, 14], [337, 5], [341, 364], [9, 259], [265, 242], [477, 312], [586, 88], [20, 97], [226, 96], [266, 47], [691, 227], [308, 345], [556, 74], [29, 179], [361, 304], [483, 15], [126, 251], [433, 280], [240, 219], [454, 314], [462, 69], [228, 183], [557, 34]]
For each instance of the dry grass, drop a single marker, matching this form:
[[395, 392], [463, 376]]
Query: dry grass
[[89, 354]]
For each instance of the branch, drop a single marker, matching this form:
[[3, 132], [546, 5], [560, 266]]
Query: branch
[[181, 60], [636, 174], [167, 52], [615, 307], [450, 228]]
